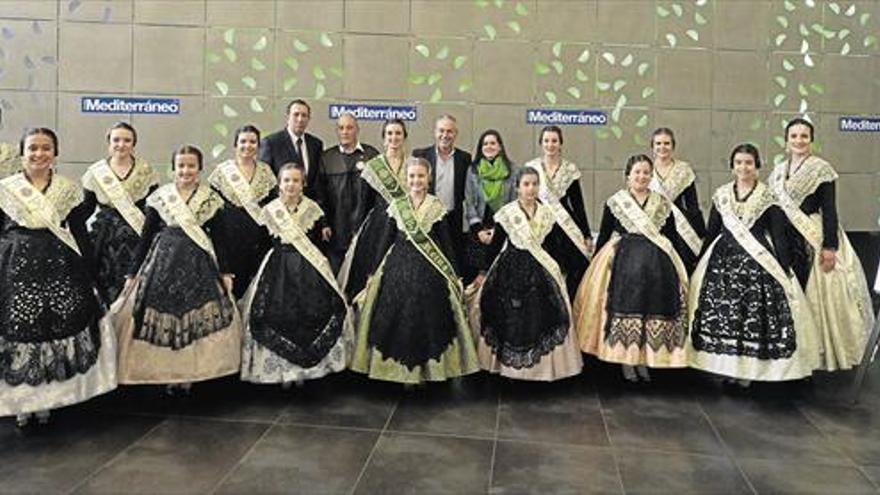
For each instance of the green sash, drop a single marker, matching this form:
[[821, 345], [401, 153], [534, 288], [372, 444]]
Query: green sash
[[378, 174]]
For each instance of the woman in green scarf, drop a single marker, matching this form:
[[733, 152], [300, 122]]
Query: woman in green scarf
[[490, 185]]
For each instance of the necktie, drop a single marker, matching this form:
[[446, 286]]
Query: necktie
[[299, 144]]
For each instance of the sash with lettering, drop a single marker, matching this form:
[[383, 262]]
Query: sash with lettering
[[550, 193], [415, 229], [724, 200], [241, 189], [378, 174], [175, 212], [680, 177], [118, 196], [28, 207], [792, 191], [520, 234], [291, 228], [641, 221]]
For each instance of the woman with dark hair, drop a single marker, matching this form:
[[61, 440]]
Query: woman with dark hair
[[386, 175], [749, 319], [823, 258], [522, 317], [631, 305], [675, 179], [246, 185], [412, 326], [571, 241], [177, 323], [296, 323], [118, 185], [54, 350], [490, 184]]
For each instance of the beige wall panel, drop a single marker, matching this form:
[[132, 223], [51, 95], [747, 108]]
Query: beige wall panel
[[81, 135], [852, 43], [741, 25], [223, 115], [33, 9], [241, 13], [626, 71], [565, 20], [580, 145], [85, 69], [320, 124], [565, 73], [421, 133], [857, 201], [509, 121], [849, 87], [160, 135], [440, 69], [430, 17], [605, 184], [29, 58], [324, 15], [22, 109], [738, 82], [732, 128], [802, 14], [376, 67], [184, 12], [377, 16], [684, 78], [168, 60], [685, 24], [693, 134], [308, 64], [115, 11], [507, 20], [240, 62], [626, 22], [848, 152], [511, 78], [611, 152]]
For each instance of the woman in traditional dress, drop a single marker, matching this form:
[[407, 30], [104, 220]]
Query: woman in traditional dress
[[118, 186], [524, 325], [177, 322], [824, 260], [749, 319], [571, 241], [412, 326], [54, 351], [386, 176], [490, 184], [631, 305], [675, 179], [245, 185], [296, 323]]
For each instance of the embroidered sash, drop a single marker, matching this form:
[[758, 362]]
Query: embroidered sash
[[644, 221], [175, 212], [29, 207], [292, 228], [117, 195], [680, 177], [378, 174], [812, 173], [405, 215], [239, 186], [550, 193]]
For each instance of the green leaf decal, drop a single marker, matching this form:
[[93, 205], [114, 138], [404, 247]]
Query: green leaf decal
[[521, 9], [584, 56], [417, 79], [647, 92], [609, 57], [699, 19], [218, 150], [213, 57], [318, 73], [514, 26], [778, 100], [490, 31], [677, 9], [781, 81], [662, 11], [423, 50], [229, 111], [581, 76], [261, 44], [255, 106], [551, 97], [603, 86], [642, 122], [320, 91], [671, 39], [325, 40], [459, 61], [434, 78], [557, 49], [436, 96], [693, 34], [300, 46], [617, 131], [574, 92], [627, 60], [221, 129], [249, 81], [643, 68], [292, 63], [230, 54], [443, 53], [541, 69], [257, 64], [619, 84], [289, 83], [557, 65], [465, 86], [222, 87], [780, 39], [229, 36]]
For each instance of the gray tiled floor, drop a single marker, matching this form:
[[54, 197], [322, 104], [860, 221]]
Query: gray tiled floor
[[344, 434]]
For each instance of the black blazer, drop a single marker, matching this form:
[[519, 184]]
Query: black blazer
[[277, 149], [462, 160]]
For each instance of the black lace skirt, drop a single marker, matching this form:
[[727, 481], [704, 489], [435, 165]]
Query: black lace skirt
[[522, 311], [368, 252], [248, 243], [295, 313], [48, 310], [179, 299], [413, 321], [571, 260], [115, 243], [742, 309]]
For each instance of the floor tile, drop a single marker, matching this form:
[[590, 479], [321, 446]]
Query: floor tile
[[873, 473], [293, 459], [543, 468], [343, 401], [424, 464], [651, 472], [180, 456], [453, 408], [801, 478]]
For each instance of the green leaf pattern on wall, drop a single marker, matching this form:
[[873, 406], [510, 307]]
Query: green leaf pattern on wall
[[503, 18], [564, 73], [311, 64], [683, 23], [434, 58]]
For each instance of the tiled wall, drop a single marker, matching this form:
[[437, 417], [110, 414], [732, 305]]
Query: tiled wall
[[717, 71]]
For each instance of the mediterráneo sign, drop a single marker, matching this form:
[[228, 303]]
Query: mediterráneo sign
[[121, 104], [859, 124], [554, 116], [374, 112]]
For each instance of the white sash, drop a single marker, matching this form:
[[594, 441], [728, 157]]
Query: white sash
[[168, 201], [283, 224], [680, 175], [27, 206], [118, 196], [241, 188], [809, 228], [551, 198]]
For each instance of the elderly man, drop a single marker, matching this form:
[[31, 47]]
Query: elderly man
[[294, 144], [348, 197], [448, 173]]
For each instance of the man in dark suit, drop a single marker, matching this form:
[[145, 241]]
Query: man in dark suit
[[294, 144], [448, 173]]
